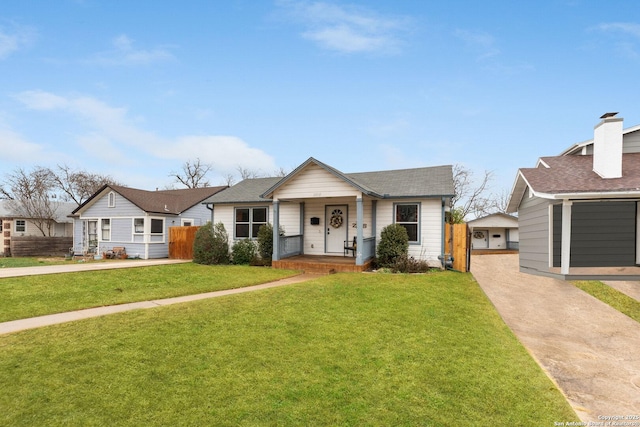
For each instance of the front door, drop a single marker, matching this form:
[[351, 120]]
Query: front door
[[336, 228]]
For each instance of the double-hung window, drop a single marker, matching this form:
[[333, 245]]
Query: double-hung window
[[408, 216], [138, 225], [106, 230], [21, 225], [248, 222]]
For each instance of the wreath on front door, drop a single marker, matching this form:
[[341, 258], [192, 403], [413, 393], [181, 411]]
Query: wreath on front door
[[336, 218]]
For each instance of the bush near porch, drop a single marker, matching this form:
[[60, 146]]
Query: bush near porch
[[346, 349]]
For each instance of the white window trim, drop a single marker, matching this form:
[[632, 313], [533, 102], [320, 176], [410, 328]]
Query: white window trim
[[103, 228], [251, 208], [148, 233], [133, 226], [419, 223], [15, 226], [191, 220], [111, 199]]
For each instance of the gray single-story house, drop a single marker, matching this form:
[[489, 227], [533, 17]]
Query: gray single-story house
[[578, 211], [13, 224], [497, 231], [320, 210], [137, 220]]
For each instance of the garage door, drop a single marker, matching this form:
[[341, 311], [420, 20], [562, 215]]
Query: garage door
[[603, 234]]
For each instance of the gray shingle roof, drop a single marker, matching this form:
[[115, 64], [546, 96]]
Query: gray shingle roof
[[247, 191], [63, 210], [419, 182]]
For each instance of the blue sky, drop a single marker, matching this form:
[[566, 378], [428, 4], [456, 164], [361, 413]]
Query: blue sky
[[134, 89]]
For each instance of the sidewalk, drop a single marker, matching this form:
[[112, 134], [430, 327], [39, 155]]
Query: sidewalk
[[52, 319], [74, 266]]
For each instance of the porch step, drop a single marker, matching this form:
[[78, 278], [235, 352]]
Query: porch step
[[319, 266]]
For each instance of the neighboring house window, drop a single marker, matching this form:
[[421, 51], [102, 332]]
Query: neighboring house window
[[111, 200], [138, 225], [106, 229], [408, 216], [157, 226], [187, 222], [248, 222], [21, 225]]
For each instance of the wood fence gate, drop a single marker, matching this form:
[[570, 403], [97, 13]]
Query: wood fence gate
[[458, 244], [181, 242]]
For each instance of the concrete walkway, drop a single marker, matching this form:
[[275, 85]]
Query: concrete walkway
[[589, 349], [52, 319], [74, 266]]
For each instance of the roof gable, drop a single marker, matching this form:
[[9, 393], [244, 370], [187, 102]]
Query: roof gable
[[435, 181], [495, 220]]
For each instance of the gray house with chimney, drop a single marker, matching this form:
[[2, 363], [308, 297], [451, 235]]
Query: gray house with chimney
[[578, 211]]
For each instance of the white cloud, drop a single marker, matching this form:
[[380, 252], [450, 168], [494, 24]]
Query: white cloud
[[225, 153], [110, 130], [124, 53], [347, 29], [625, 35], [11, 42], [621, 27], [483, 43], [15, 148]]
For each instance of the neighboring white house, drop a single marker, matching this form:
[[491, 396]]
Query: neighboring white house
[[12, 224], [321, 209], [578, 212], [137, 220], [495, 232]]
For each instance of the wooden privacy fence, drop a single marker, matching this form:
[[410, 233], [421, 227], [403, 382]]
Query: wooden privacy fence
[[181, 242], [458, 244], [40, 246]]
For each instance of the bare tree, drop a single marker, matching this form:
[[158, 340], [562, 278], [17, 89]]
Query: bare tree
[[78, 185], [247, 173], [469, 195], [500, 202], [193, 174], [31, 196], [229, 179]]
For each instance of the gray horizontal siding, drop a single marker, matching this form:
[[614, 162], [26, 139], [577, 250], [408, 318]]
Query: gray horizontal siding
[[533, 224]]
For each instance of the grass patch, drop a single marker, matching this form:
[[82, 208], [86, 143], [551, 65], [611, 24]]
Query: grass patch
[[345, 349], [616, 299], [11, 262], [30, 296]]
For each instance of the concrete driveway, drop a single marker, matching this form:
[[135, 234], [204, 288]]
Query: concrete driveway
[[589, 349]]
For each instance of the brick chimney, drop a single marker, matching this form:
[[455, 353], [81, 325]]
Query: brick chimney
[[607, 147]]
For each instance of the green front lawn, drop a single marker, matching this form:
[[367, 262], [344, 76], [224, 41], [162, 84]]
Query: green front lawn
[[30, 296], [345, 349], [12, 262], [616, 299]]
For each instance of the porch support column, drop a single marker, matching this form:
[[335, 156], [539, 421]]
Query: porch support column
[[565, 252], [276, 231], [374, 230], [359, 233], [302, 227]]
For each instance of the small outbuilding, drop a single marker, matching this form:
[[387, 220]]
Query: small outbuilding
[[494, 232]]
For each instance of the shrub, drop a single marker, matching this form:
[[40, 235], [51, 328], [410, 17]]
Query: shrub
[[211, 245], [394, 243], [244, 251], [265, 243], [407, 264]]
